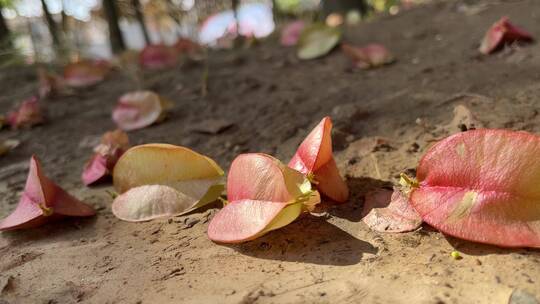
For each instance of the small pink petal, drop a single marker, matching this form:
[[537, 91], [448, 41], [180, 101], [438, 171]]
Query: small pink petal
[[85, 73], [113, 145], [330, 183], [315, 156], [501, 33], [26, 115], [158, 56], [242, 220], [372, 55], [42, 201], [137, 110], [390, 211], [315, 150], [95, 169], [291, 33]]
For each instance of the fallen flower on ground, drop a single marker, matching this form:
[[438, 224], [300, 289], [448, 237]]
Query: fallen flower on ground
[[390, 211], [481, 185], [291, 33], [502, 33], [317, 40], [158, 56], [26, 115], [162, 180], [85, 73], [106, 154], [139, 109], [263, 195], [371, 56], [43, 201]]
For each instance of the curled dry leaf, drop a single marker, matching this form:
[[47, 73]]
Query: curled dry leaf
[[212, 126], [85, 73], [291, 33], [317, 40], [315, 159], [106, 154], [390, 211], [263, 195], [370, 56], [481, 186], [501, 33], [161, 180], [158, 56], [42, 201], [463, 119], [139, 109], [27, 114]]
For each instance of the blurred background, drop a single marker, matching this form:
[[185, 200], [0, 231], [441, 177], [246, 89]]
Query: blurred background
[[47, 30]]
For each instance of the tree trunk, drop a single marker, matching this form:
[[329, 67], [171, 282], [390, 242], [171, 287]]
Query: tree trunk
[[65, 21], [140, 17], [115, 35], [5, 39], [235, 12], [51, 24]]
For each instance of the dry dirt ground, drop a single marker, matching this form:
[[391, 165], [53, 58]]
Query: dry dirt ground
[[273, 101]]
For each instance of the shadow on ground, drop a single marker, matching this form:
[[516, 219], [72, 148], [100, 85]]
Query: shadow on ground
[[358, 187], [309, 240]]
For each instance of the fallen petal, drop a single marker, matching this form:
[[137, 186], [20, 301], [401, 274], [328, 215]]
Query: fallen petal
[[138, 109], [149, 202], [162, 164], [330, 184], [261, 177], [158, 56], [317, 40], [85, 73], [42, 201], [113, 145], [264, 195], [501, 33], [95, 169], [245, 220], [480, 185], [314, 157], [291, 33], [370, 56], [390, 211], [27, 114]]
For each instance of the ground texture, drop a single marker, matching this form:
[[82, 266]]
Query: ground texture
[[273, 100]]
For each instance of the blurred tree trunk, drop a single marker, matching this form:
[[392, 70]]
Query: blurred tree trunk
[[65, 21], [5, 39], [343, 6], [140, 17], [234, 5], [51, 24], [115, 34]]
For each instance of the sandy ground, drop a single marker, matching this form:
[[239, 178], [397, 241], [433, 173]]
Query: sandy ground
[[273, 101]]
